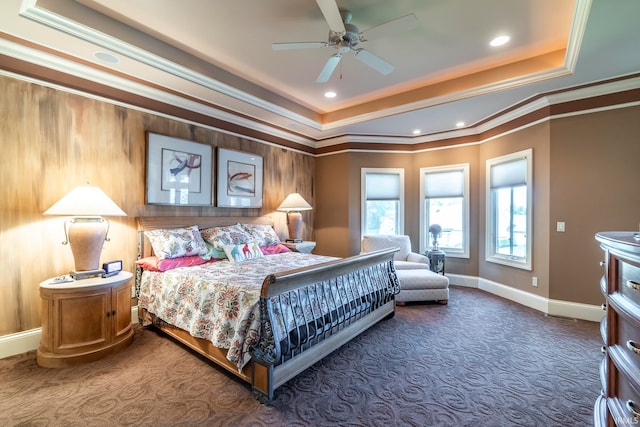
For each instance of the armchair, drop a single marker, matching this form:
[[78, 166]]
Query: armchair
[[404, 259], [417, 281]]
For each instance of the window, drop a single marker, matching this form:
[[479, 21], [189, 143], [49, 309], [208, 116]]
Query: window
[[445, 192], [382, 201], [509, 195]]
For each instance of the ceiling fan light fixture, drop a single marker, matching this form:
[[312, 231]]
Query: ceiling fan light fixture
[[330, 94]]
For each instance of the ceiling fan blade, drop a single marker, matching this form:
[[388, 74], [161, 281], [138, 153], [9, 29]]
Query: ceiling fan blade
[[328, 68], [374, 61], [298, 45], [404, 23], [332, 15]]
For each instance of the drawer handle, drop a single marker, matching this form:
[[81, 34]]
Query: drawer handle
[[631, 407], [633, 347], [633, 285]]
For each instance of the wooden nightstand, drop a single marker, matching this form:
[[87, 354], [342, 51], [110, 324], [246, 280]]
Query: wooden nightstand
[[84, 320], [304, 247]]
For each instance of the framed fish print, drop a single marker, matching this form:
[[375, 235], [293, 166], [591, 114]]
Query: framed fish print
[[179, 172], [239, 179]]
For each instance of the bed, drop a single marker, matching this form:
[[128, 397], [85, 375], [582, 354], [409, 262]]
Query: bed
[[265, 318]]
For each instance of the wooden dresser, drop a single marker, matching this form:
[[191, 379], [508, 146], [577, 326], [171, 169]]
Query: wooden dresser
[[619, 403]]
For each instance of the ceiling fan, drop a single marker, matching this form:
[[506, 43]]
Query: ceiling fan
[[345, 37]]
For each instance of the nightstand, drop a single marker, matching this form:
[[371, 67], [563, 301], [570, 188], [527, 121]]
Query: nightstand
[[304, 247], [84, 320]]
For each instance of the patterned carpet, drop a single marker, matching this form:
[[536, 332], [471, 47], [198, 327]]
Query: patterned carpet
[[479, 361]]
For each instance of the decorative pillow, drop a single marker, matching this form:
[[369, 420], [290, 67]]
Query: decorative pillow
[[262, 234], [275, 249], [213, 253], [239, 253], [177, 242], [153, 263], [230, 235]]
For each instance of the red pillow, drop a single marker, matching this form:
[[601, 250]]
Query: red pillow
[[274, 249], [153, 263]]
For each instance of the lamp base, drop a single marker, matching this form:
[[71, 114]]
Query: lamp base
[[85, 274]]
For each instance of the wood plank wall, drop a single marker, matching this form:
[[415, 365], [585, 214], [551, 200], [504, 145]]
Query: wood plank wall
[[53, 141]]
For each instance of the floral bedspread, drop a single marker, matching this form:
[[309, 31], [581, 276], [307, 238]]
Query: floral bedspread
[[218, 301]]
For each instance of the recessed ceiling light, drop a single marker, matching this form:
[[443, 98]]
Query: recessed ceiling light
[[107, 57], [330, 94], [459, 124], [499, 41], [416, 131]]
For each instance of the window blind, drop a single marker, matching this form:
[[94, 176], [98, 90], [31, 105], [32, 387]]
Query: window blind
[[382, 186], [444, 184], [509, 174]]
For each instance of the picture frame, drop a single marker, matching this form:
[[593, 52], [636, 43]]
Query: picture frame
[[239, 179], [179, 172]]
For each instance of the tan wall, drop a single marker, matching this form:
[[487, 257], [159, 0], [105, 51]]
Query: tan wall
[[585, 173], [537, 138], [338, 219], [452, 156], [53, 141], [595, 175]]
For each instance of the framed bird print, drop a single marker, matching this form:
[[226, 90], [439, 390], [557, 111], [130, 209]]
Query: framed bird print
[[179, 172], [239, 179]]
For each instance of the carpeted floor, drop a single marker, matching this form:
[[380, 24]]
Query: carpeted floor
[[479, 361]]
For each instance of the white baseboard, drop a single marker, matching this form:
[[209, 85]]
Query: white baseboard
[[572, 310], [19, 343], [25, 341]]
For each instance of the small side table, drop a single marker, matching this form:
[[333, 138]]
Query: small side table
[[84, 320], [436, 260], [304, 247]]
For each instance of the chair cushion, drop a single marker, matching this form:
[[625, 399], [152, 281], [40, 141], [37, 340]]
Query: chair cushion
[[408, 265]]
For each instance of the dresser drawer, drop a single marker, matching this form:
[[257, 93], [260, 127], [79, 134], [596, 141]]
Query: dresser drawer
[[625, 338], [628, 283], [624, 407]]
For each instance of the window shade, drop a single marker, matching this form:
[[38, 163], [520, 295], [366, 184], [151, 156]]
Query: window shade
[[509, 174], [382, 186], [444, 184]]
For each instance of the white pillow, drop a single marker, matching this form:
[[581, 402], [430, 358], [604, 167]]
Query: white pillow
[[239, 253], [264, 235], [176, 242]]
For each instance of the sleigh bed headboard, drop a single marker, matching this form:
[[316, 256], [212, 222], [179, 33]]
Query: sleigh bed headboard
[[146, 223]]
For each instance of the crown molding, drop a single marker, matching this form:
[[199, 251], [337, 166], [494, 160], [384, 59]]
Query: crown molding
[[32, 11]]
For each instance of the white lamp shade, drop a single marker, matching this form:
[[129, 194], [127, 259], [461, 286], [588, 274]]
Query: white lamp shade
[[293, 203], [85, 200]]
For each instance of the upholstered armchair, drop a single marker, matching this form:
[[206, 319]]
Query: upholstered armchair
[[417, 281], [404, 259]]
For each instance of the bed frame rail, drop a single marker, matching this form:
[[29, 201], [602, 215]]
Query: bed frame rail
[[318, 292]]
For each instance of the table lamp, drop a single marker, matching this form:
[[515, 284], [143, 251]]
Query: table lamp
[[87, 231], [292, 205]]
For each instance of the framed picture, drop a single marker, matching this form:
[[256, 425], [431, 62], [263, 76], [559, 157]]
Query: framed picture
[[239, 179], [178, 172]]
